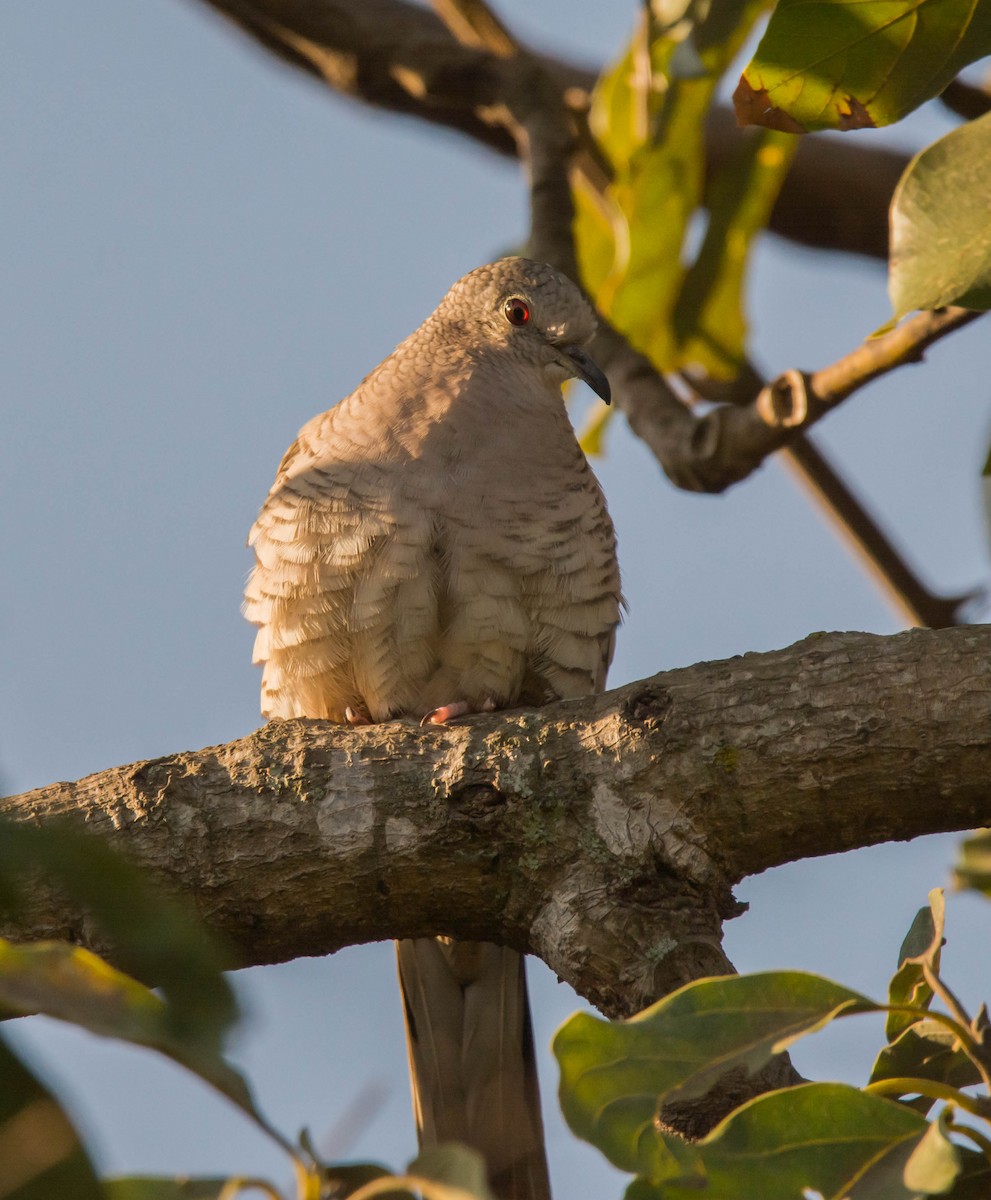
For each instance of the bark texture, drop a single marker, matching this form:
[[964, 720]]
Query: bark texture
[[603, 835]]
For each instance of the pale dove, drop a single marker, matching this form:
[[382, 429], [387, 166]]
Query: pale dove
[[436, 545]]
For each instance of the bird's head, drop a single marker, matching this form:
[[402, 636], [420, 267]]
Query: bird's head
[[527, 310]]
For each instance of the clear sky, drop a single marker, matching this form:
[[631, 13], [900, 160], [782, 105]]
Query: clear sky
[[199, 250]]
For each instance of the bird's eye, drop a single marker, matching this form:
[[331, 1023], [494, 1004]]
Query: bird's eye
[[517, 311]]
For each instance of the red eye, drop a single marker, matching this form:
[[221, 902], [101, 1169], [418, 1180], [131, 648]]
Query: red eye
[[517, 311]]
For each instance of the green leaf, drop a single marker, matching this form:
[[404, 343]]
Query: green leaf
[[826, 1138], [935, 1162], [41, 1156], [154, 936], [450, 1171], [709, 322], [341, 1179], [921, 948], [974, 868], [821, 1136], [648, 113], [592, 437], [940, 232], [925, 1050], [853, 64], [72, 984], [616, 1076]]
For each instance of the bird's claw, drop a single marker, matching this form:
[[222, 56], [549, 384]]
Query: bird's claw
[[356, 717], [460, 708]]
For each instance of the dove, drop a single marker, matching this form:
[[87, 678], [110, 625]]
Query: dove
[[434, 546]]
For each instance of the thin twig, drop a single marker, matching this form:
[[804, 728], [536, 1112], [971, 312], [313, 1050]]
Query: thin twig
[[742, 437], [979, 1139], [867, 541], [905, 344]]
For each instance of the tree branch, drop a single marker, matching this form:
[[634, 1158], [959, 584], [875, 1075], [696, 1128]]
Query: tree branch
[[711, 452], [603, 835], [400, 57]]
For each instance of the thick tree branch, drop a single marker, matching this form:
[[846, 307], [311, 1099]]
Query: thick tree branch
[[399, 56], [603, 835]]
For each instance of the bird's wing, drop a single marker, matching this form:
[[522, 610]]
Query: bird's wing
[[342, 586]]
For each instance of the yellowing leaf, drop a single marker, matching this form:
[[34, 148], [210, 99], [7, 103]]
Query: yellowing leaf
[[853, 64]]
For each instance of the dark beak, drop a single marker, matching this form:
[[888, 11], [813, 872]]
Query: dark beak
[[587, 370]]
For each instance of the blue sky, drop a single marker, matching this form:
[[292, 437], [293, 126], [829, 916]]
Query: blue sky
[[201, 249]]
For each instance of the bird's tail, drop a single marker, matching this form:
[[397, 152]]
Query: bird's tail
[[472, 1064]]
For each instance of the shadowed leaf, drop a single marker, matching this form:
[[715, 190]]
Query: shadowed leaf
[[920, 948], [41, 1157], [925, 1050], [159, 1187], [154, 936]]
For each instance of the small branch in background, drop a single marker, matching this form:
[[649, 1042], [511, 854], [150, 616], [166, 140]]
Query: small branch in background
[[846, 514], [867, 541]]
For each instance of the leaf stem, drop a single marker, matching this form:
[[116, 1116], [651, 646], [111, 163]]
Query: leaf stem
[[904, 1085], [979, 1139]]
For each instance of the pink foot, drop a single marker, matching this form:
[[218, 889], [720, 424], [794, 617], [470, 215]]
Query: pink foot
[[356, 716], [460, 708]]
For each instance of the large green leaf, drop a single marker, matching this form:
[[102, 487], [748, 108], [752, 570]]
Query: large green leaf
[[616, 1076], [850, 64], [822, 1138], [940, 232], [41, 1157]]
